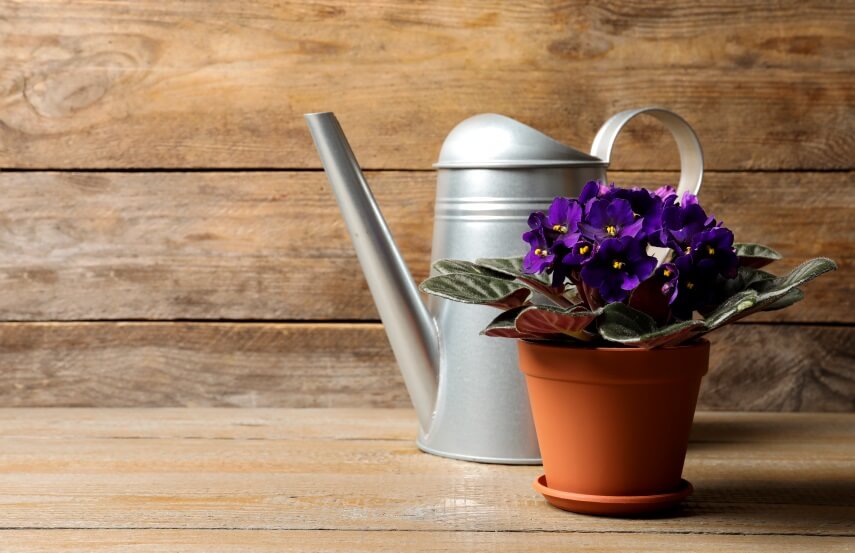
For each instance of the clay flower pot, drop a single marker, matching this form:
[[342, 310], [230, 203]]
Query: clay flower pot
[[613, 423]]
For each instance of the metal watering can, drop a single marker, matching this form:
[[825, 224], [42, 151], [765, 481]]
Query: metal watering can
[[467, 391]]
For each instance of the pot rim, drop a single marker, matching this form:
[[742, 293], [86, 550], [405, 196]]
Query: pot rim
[[701, 342], [619, 366]]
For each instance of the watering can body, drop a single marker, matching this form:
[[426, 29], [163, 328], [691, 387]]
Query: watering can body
[[492, 173]]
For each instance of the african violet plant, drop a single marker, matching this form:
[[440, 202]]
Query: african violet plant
[[623, 266]]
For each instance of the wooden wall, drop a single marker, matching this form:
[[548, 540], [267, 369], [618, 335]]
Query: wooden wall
[[167, 236]]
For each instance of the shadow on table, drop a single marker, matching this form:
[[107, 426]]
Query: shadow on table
[[818, 504], [783, 492], [711, 432], [823, 506]]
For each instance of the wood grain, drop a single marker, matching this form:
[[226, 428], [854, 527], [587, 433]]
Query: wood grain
[[384, 424], [756, 367], [780, 481], [195, 84], [324, 541], [148, 85], [272, 245]]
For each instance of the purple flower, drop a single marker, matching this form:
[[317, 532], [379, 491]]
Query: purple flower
[[669, 275], [562, 220], [540, 257], [610, 219], [618, 266], [680, 223], [579, 254], [666, 193], [695, 285], [537, 221], [591, 191], [716, 245], [688, 199], [645, 205]]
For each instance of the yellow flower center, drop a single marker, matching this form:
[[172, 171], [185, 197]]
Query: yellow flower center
[[688, 249], [666, 273], [618, 264], [690, 285], [541, 253], [584, 249], [710, 250], [559, 228], [611, 230]]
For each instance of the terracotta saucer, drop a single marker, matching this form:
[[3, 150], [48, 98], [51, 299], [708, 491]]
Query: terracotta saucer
[[614, 505]]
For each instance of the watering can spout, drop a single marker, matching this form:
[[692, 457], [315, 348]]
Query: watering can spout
[[409, 325]]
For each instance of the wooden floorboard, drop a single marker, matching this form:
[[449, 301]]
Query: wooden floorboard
[[329, 479], [321, 541]]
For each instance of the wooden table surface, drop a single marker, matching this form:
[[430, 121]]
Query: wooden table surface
[[352, 480]]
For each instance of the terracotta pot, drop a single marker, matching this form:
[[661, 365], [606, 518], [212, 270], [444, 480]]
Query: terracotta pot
[[613, 423]]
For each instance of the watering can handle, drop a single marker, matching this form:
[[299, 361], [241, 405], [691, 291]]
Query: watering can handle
[[691, 155]]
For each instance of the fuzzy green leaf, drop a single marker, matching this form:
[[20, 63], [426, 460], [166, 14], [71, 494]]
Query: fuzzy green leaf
[[620, 321], [802, 274], [625, 325], [476, 288], [671, 335], [454, 266], [512, 266], [766, 294], [746, 277], [793, 296], [755, 255], [504, 325], [733, 308], [549, 321]]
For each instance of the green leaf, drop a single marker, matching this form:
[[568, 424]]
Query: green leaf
[[620, 321], [671, 335], [746, 277], [512, 266], [625, 325], [793, 296], [549, 321], [504, 326], [733, 308], [519, 298], [455, 266], [765, 294], [477, 289], [755, 255], [805, 272]]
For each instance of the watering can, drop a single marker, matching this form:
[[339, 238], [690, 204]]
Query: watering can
[[493, 171]]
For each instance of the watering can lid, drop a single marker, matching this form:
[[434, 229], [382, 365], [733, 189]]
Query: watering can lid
[[491, 140]]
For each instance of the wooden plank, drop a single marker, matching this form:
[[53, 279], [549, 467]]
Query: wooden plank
[[798, 486], [191, 84], [388, 425], [323, 541], [757, 367], [289, 459], [272, 245], [193, 364], [352, 423]]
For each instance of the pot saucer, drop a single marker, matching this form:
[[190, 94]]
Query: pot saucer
[[613, 505]]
